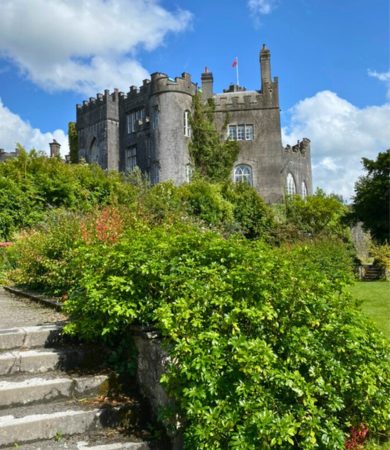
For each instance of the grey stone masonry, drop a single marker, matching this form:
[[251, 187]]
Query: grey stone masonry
[[149, 127]]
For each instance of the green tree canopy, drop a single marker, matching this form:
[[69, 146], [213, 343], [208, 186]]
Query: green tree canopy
[[212, 156], [372, 197]]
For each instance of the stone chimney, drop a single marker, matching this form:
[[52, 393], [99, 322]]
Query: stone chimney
[[265, 66], [207, 84]]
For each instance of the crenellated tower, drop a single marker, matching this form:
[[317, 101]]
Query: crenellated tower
[[149, 127], [98, 130]]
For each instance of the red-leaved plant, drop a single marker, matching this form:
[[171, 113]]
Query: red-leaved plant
[[357, 437], [106, 227]]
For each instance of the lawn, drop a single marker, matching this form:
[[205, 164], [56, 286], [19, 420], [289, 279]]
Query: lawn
[[375, 302]]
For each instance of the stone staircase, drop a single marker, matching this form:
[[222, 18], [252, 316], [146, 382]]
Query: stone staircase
[[46, 402], [371, 273]]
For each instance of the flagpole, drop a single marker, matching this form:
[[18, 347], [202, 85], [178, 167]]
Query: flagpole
[[238, 80]]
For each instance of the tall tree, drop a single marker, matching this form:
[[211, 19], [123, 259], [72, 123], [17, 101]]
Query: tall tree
[[213, 157], [372, 197], [73, 144]]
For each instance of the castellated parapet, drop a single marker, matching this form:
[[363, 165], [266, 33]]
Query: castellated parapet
[[149, 127]]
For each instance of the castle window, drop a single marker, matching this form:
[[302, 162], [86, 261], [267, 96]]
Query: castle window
[[243, 174], [131, 158], [304, 190], [232, 133], [249, 132], [189, 172], [187, 126], [291, 188], [135, 119], [241, 132], [154, 173]]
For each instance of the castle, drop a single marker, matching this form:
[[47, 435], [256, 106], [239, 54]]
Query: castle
[[149, 127]]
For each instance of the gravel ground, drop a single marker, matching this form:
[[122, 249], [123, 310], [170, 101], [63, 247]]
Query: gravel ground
[[17, 311]]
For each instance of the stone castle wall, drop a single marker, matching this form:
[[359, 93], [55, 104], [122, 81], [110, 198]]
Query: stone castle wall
[[161, 145]]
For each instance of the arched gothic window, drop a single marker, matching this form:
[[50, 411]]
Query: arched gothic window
[[304, 190], [243, 174], [291, 188], [93, 154]]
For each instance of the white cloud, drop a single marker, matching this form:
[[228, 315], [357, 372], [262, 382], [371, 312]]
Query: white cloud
[[261, 7], [13, 130], [341, 134], [84, 45], [382, 76]]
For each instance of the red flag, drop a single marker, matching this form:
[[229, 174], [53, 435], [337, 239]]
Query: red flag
[[235, 62]]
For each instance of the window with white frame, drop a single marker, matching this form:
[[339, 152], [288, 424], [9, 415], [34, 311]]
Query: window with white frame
[[187, 126], [189, 172], [243, 174], [133, 119], [131, 158], [232, 132], [291, 188], [249, 133], [241, 132], [304, 190]]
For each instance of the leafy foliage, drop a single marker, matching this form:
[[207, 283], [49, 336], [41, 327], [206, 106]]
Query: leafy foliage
[[213, 157], [268, 350], [372, 197], [73, 143], [266, 347], [317, 216], [31, 184]]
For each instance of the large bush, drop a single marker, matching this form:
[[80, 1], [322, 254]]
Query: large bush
[[32, 184], [268, 349]]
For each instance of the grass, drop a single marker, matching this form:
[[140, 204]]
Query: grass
[[374, 300]]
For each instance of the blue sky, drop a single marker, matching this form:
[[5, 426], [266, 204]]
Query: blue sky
[[331, 57]]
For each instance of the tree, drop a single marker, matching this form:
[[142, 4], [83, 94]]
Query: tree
[[372, 197], [213, 157], [318, 214], [73, 144]]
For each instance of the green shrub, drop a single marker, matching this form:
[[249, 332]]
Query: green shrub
[[205, 201], [319, 216], [253, 217], [32, 183], [268, 350], [41, 259]]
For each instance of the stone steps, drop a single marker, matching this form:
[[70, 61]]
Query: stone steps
[[41, 389], [28, 337], [45, 406], [15, 430], [94, 442]]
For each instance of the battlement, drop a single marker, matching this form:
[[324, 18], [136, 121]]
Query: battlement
[[301, 148], [160, 83], [100, 100]]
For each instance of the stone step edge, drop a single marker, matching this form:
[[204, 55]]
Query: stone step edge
[[35, 360], [34, 296], [114, 446], [27, 337], [40, 389], [47, 426]]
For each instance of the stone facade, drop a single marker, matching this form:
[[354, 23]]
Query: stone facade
[[148, 127]]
